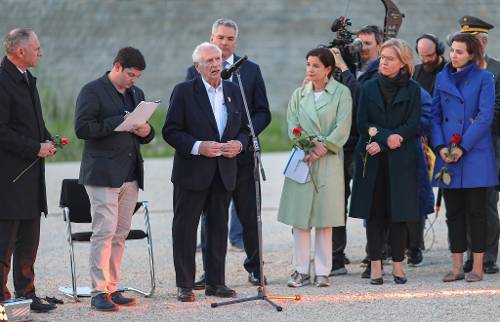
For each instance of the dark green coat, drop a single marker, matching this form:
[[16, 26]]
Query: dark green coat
[[401, 118]]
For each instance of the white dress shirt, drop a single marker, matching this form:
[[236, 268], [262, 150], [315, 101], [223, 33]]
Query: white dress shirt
[[230, 61], [216, 98]]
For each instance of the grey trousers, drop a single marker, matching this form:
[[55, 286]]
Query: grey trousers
[[112, 210]]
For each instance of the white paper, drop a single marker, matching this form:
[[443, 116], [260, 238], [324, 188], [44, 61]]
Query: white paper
[[139, 115], [296, 169]]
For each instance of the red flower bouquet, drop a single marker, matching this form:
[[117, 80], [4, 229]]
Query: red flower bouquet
[[444, 174]]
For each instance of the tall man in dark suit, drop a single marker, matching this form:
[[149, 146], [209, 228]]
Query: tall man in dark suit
[[244, 210], [431, 52], [206, 126], [480, 29], [111, 169], [23, 139], [372, 38]]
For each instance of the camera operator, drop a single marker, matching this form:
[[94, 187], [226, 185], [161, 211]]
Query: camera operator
[[372, 38]]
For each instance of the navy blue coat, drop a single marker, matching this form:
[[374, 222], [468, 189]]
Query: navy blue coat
[[401, 118], [255, 93], [463, 104], [22, 129], [189, 119]]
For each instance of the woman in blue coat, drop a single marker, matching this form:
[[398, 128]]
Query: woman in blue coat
[[463, 105]]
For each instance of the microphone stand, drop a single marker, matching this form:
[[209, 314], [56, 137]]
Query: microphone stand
[[262, 293]]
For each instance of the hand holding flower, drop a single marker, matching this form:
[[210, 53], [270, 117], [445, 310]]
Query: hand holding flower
[[444, 153], [450, 153], [47, 149], [373, 148], [457, 153]]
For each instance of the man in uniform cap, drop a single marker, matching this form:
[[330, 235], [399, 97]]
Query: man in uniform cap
[[480, 28]]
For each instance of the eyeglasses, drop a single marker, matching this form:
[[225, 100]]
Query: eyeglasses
[[388, 59], [215, 62]]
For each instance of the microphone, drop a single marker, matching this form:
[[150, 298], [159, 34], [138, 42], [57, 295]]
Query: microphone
[[226, 73]]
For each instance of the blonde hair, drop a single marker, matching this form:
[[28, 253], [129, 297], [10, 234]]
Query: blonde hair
[[403, 51]]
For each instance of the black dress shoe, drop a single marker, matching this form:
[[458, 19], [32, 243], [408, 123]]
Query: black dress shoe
[[254, 279], [490, 268], [119, 299], [41, 306], [367, 272], [200, 283], [185, 294], [377, 281], [219, 290], [102, 302], [399, 279]]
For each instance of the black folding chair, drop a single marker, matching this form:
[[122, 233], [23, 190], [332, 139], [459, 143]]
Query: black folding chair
[[76, 209]]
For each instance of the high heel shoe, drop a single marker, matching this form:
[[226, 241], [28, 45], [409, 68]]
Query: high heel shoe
[[399, 279], [377, 281]]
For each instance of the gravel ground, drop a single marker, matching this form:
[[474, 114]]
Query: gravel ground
[[349, 298]]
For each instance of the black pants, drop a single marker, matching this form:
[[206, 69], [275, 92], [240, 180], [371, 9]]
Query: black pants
[[246, 208], [188, 206], [381, 220], [416, 234], [492, 230], [466, 206], [19, 240], [339, 234]]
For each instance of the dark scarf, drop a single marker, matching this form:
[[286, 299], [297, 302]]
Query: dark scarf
[[390, 86]]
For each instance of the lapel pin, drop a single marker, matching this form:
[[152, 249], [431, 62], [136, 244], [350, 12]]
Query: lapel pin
[[229, 99]]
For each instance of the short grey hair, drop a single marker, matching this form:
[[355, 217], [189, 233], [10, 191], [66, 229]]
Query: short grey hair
[[204, 45], [16, 38], [224, 22], [482, 35]]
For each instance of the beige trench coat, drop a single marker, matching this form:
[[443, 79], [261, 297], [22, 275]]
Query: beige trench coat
[[329, 119]]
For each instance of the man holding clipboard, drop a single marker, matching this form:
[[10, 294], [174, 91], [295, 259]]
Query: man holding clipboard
[[111, 169]]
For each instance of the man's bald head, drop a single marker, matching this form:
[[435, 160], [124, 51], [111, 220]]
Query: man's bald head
[[427, 50]]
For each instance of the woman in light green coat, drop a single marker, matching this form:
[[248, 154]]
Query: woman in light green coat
[[322, 108]]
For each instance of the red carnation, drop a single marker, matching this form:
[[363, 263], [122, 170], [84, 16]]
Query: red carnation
[[64, 140], [456, 138], [297, 131]]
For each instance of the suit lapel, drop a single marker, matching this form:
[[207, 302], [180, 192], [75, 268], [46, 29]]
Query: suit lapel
[[201, 97], [37, 104], [232, 112], [113, 94], [134, 97]]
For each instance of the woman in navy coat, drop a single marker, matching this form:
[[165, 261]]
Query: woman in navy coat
[[385, 177], [463, 104]]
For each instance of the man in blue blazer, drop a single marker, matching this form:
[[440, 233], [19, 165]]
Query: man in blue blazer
[[244, 210], [207, 127]]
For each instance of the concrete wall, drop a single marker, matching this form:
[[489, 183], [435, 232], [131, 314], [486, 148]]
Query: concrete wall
[[80, 37]]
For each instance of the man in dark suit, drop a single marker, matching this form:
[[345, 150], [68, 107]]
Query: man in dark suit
[[244, 210], [111, 169], [372, 38], [480, 29], [205, 124], [23, 139]]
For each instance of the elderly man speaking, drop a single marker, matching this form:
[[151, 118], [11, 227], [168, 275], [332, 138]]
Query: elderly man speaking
[[205, 124]]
